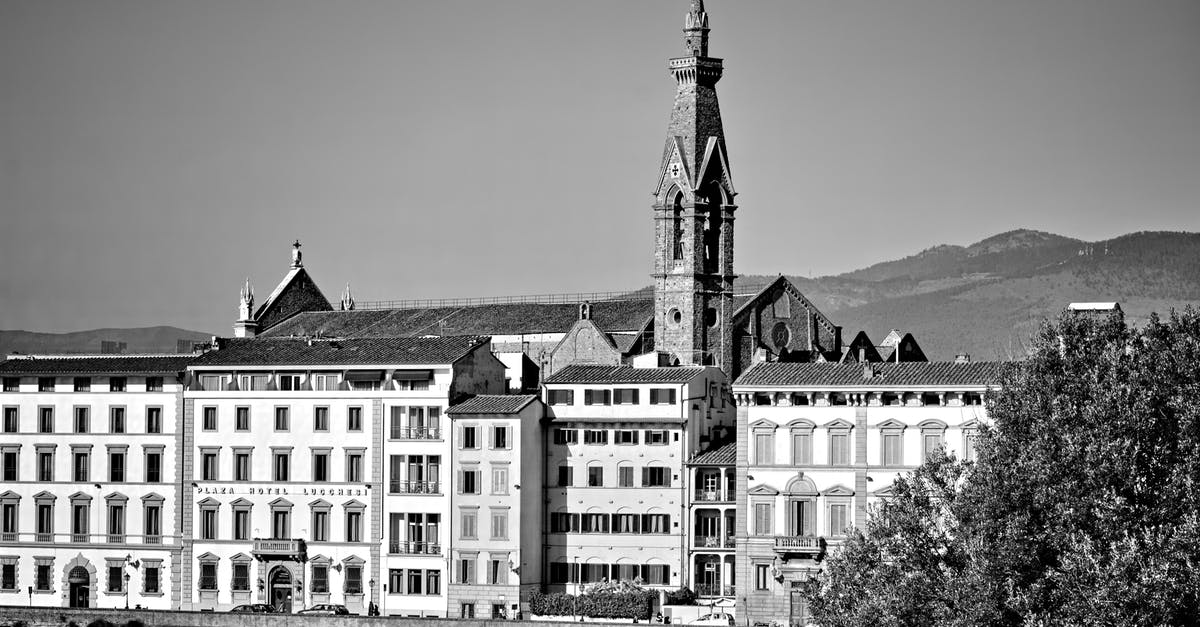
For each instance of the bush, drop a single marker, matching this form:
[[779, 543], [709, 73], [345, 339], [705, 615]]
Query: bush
[[636, 604], [682, 596]]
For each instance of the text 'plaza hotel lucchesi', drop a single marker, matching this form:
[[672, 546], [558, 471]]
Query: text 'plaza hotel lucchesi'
[[450, 460]]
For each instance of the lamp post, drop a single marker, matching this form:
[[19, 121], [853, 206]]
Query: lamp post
[[126, 590], [129, 561], [371, 599], [575, 597]]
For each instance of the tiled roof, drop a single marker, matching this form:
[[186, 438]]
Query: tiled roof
[[493, 404], [96, 364], [624, 374], [499, 319], [906, 374], [721, 455], [365, 351]]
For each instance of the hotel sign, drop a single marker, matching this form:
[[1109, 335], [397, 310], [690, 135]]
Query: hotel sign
[[273, 489]]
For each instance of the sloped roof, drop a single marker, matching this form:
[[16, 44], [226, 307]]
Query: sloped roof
[[361, 351], [905, 374], [96, 364], [723, 454], [624, 374], [493, 404], [495, 319]]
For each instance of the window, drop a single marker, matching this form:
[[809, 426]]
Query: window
[[656, 477], [152, 522], [281, 522], [8, 522], [241, 464], [761, 576], [764, 448], [662, 396], [241, 523], [153, 466], [208, 576], [45, 522], [208, 465], [467, 610], [320, 465], [320, 419], [114, 578], [892, 451], [282, 464], [116, 420], [8, 576], [241, 577], [498, 575], [353, 582], [764, 514], [282, 419], [354, 526], [354, 419], [470, 481], [11, 464], [154, 384], [83, 384], [12, 384], [595, 436], [499, 480], [656, 523], [81, 424], [499, 437], [320, 524], [930, 443], [839, 519], [151, 579], [213, 382], [241, 418], [433, 582], [802, 447], [566, 477], [625, 396], [466, 570], [594, 523], [116, 466], [45, 465], [839, 448], [320, 578], [209, 421], [499, 525], [625, 523], [81, 466], [116, 521], [595, 477], [81, 513], [116, 384], [566, 436], [564, 522], [354, 467], [46, 384], [12, 420], [656, 436], [154, 420], [41, 577], [468, 521], [208, 523], [469, 437], [289, 382], [414, 581], [45, 420], [625, 436], [625, 476], [561, 397], [324, 382], [597, 397], [969, 436]]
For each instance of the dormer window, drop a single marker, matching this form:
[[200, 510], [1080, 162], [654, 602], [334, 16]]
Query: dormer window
[[289, 382], [252, 382]]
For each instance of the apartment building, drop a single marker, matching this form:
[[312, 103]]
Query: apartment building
[[712, 513], [496, 502], [284, 448], [817, 443], [89, 503], [617, 489]]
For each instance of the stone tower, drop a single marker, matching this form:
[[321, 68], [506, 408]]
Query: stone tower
[[693, 214]]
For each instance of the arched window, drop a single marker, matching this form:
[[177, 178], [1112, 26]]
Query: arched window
[[677, 227]]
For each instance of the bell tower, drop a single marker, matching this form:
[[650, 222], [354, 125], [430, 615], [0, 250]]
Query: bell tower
[[693, 213]]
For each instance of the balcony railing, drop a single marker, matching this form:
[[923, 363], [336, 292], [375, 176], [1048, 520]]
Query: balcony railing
[[293, 548], [86, 538], [799, 544], [714, 590], [414, 487], [414, 548], [415, 433], [715, 542], [116, 538], [713, 496]]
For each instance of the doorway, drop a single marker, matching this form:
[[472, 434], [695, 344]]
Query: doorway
[[79, 592], [281, 590]]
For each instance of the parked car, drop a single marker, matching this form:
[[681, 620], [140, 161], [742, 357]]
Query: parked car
[[253, 608], [326, 609], [720, 619]]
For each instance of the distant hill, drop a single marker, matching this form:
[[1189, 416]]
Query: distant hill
[[144, 340], [986, 299]]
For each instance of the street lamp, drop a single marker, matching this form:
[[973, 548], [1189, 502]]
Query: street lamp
[[575, 597], [126, 590], [129, 561]]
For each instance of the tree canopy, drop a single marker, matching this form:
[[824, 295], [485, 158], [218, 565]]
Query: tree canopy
[[1080, 509]]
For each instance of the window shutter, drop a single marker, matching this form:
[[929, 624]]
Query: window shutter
[[460, 475], [645, 477], [460, 437], [491, 437]]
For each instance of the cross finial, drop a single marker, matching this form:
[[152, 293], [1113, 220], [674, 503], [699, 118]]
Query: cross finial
[[296, 263]]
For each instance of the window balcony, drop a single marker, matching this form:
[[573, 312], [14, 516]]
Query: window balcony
[[414, 487], [714, 542], [800, 545], [414, 548], [714, 590], [713, 496], [415, 433], [287, 549]]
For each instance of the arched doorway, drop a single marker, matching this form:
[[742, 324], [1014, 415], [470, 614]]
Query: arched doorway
[[281, 589], [79, 593]]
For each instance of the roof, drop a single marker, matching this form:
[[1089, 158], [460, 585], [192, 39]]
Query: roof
[[1094, 307], [624, 374], [362, 351], [494, 319], [904, 374], [722, 454], [96, 364], [493, 404]]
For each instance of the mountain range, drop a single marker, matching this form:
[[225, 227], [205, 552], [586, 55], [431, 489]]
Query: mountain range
[[985, 299]]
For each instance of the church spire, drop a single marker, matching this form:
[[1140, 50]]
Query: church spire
[[695, 30]]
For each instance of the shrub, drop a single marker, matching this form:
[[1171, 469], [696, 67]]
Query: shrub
[[634, 604], [682, 596]]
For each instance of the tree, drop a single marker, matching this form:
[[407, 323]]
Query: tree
[[1081, 508]]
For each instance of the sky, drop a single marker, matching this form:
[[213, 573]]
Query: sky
[[156, 153]]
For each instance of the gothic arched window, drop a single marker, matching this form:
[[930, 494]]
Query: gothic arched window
[[677, 227]]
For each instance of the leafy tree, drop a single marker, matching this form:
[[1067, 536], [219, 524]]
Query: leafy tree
[[1082, 507]]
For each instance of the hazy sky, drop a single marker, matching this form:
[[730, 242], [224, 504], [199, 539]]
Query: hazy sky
[[155, 153]]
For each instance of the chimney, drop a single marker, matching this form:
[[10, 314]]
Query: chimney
[[962, 358], [868, 370]]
